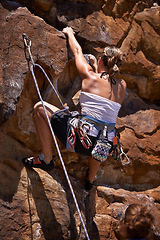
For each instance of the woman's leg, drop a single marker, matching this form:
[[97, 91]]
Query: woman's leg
[[93, 168], [42, 128]]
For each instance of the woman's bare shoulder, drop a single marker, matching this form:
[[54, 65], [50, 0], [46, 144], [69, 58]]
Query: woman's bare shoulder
[[122, 89]]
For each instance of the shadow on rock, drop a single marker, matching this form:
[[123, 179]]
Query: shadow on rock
[[10, 166], [49, 224], [86, 202]]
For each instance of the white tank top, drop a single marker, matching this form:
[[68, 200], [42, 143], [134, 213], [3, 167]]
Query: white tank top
[[100, 108]]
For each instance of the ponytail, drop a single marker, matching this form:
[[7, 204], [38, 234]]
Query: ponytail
[[110, 57]]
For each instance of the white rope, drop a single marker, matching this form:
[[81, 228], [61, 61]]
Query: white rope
[[58, 150], [27, 44], [65, 108]]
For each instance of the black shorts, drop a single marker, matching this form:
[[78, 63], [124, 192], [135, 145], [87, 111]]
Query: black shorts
[[60, 125]]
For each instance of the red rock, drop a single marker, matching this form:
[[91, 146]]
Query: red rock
[[38, 205]]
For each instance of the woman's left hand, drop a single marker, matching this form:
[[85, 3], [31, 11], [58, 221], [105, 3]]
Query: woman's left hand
[[68, 30]]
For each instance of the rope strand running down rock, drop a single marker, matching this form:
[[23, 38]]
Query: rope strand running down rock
[[27, 43]]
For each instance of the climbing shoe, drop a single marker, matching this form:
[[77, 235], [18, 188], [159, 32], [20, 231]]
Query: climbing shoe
[[38, 162], [88, 185]]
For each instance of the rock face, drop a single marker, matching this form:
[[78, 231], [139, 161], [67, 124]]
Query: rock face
[[12, 51], [39, 205]]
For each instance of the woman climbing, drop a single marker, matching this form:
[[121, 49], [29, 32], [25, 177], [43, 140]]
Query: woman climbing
[[100, 99]]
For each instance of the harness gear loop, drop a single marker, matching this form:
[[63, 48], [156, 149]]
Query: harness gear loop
[[27, 43], [77, 126]]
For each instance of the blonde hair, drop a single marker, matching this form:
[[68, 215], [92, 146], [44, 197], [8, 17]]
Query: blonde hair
[[111, 56], [113, 52]]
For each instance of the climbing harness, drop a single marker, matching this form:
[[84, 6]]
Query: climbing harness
[[102, 146], [27, 46], [100, 125]]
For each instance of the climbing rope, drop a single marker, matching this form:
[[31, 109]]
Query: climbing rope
[[27, 46]]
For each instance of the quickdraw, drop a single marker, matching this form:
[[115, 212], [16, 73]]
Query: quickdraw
[[122, 155], [77, 126]]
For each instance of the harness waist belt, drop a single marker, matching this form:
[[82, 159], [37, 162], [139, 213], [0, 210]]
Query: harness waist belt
[[99, 124]]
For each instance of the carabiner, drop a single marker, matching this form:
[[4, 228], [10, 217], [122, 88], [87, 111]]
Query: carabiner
[[122, 159], [85, 127], [123, 155], [27, 41], [27, 45]]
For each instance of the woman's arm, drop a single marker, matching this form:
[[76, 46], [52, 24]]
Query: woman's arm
[[74, 45], [81, 64]]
